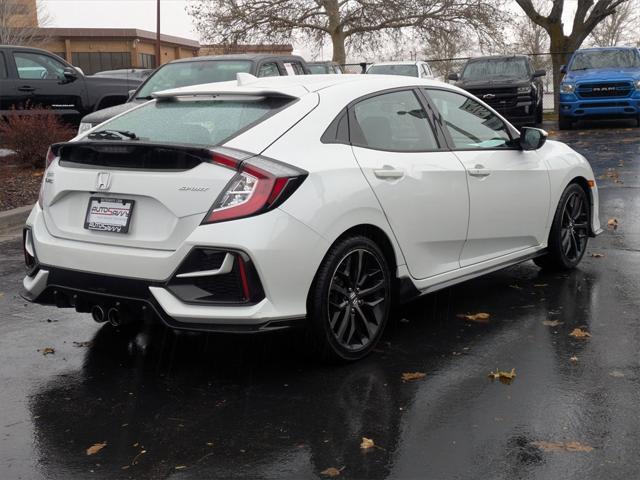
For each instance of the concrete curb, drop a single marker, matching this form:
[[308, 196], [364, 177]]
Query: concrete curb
[[12, 221]]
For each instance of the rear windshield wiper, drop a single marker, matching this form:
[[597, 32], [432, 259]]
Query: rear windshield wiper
[[112, 135]]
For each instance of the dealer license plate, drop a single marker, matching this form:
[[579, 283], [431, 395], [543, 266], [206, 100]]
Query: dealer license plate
[[108, 214]]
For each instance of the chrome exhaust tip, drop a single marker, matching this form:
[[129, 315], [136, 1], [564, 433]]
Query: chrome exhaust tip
[[114, 317], [97, 313]]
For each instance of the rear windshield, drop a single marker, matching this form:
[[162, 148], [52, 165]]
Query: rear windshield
[[407, 70], [497, 67], [183, 74], [206, 122], [606, 59]]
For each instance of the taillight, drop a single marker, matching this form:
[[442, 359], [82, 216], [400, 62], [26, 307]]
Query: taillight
[[259, 185], [51, 156]]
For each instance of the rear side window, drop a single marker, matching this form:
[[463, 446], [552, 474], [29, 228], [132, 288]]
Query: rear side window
[[269, 70], [196, 122], [392, 121]]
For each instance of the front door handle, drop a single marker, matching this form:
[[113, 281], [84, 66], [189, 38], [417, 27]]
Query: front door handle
[[479, 171], [387, 172], [26, 88]]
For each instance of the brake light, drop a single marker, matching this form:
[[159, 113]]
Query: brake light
[[51, 156], [259, 185]]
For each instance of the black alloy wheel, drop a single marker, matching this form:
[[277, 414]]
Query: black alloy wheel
[[349, 300], [569, 232], [357, 299], [575, 226]]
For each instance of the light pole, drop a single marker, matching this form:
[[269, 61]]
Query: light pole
[[157, 33]]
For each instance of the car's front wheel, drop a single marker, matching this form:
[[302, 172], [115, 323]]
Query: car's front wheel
[[569, 232], [349, 300], [539, 114]]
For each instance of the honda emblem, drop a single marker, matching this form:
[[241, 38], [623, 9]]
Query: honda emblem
[[103, 182]]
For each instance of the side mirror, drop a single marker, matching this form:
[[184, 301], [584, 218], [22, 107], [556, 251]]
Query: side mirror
[[563, 69], [532, 138], [70, 74], [131, 94], [539, 73], [453, 76]]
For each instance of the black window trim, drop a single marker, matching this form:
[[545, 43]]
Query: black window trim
[[514, 135]]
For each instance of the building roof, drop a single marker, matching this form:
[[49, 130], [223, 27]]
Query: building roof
[[249, 48], [118, 32], [253, 57]]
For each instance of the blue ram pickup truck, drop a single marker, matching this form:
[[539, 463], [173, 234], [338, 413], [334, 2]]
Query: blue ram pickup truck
[[599, 83]]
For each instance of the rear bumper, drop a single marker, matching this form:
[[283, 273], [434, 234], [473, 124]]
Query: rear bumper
[[144, 298], [284, 252], [573, 107]]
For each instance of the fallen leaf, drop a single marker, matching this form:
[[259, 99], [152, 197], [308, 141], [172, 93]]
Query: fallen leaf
[[597, 255], [477, 317], [573, 359], [332, 471], [1, 294], [411, 376], [579, 333], [95, 448], [367, 443], [48, 351], [616, 374], [504, 377], [562, 446], [612, 223], [551, 323], [82, 344]]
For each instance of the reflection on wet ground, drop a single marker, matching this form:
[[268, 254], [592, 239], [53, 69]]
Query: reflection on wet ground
[[204, 406]]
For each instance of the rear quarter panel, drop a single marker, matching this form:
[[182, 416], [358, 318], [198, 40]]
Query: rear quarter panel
[[336, 196]]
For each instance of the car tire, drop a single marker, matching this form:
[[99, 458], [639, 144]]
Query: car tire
[[638, 121], [564, 123], [349, 301], [539, 114], [569, 233]]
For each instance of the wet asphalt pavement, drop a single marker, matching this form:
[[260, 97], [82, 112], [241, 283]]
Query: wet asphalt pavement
[[201, 406]]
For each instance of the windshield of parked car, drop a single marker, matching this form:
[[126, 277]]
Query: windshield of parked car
[[194, 121], [605, 59], [406, 70], [496, 67], [182, 74]]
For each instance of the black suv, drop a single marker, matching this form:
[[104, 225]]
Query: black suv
[[197, 70], [36, 79], [509, 84]]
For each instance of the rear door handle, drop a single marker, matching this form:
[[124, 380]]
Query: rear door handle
[[388, 172], [26, 88], [479, 171]]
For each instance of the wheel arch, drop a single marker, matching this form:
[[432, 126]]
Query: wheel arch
[[109, 100]]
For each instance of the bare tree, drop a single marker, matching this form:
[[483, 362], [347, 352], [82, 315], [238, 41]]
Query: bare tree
[[615, 29], [587, 16], [443, 46], [354, 23], [532, 39], [19, 23]]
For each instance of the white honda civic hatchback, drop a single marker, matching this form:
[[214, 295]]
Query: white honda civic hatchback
[[261, 204]]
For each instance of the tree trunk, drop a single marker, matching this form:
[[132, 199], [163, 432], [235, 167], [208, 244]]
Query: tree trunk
[[561, 48], [339, 52]]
